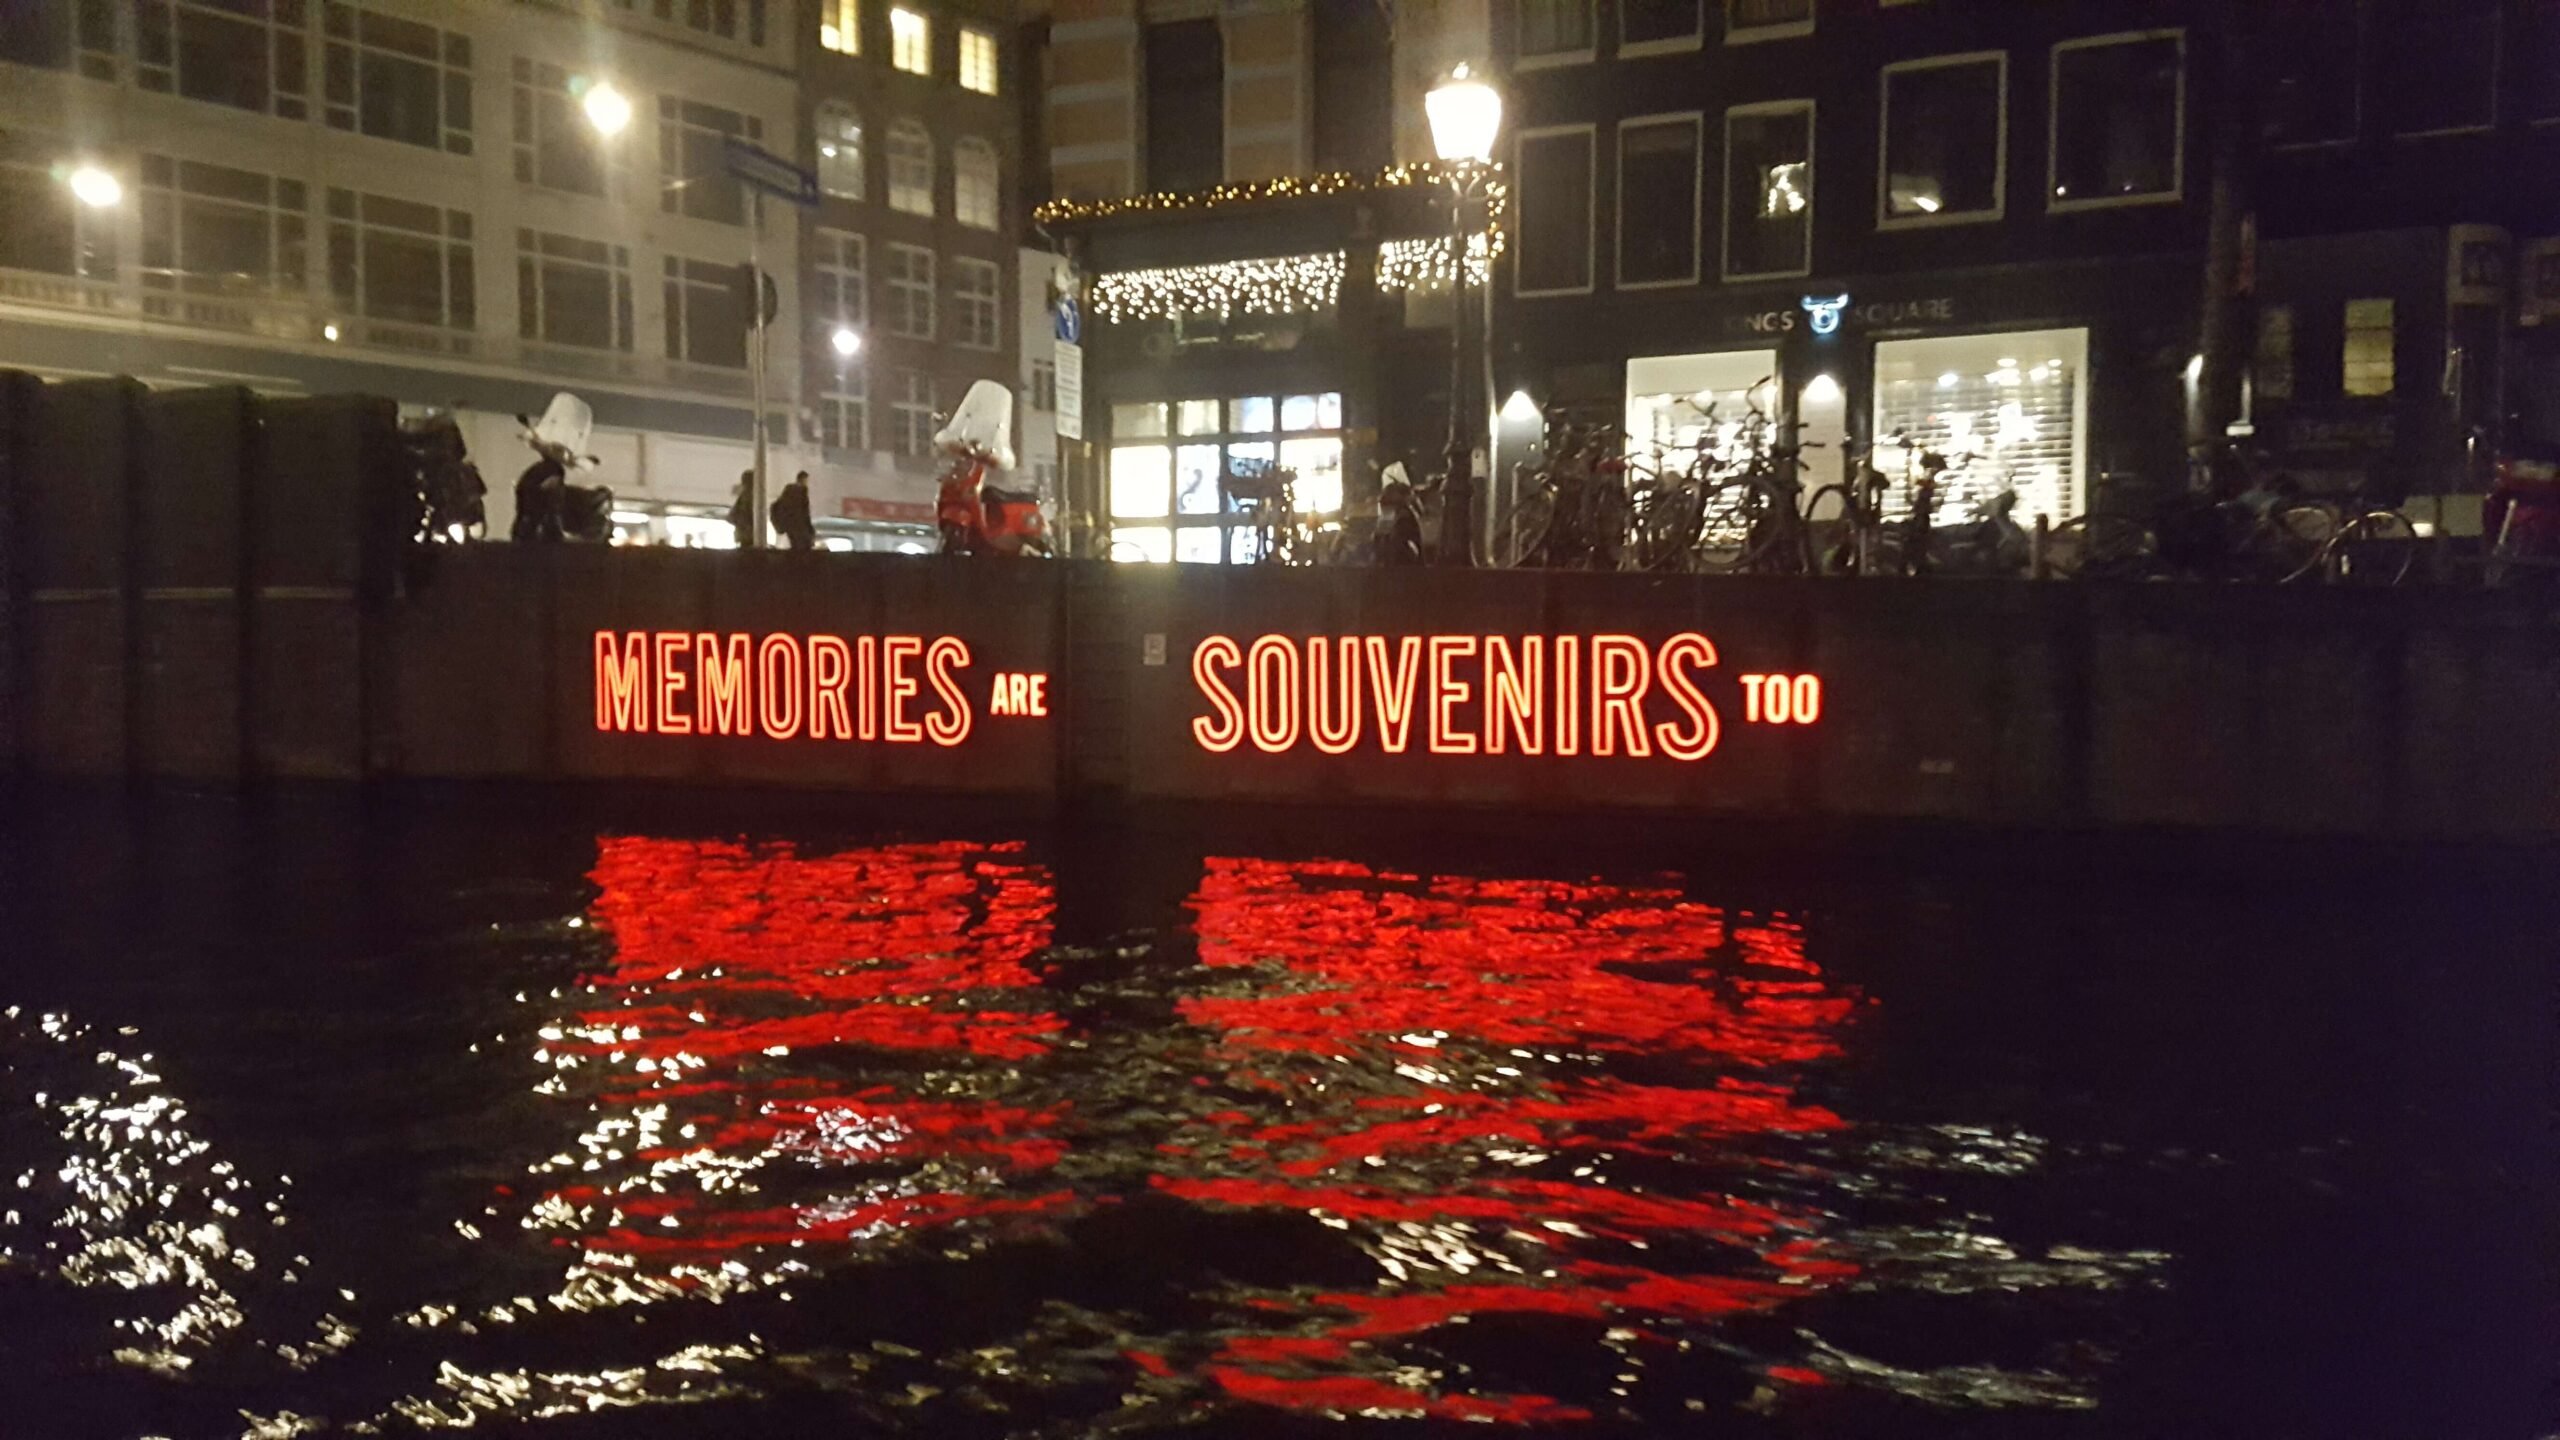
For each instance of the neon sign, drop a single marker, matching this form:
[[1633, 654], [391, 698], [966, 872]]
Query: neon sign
[[894, 689], [1601, 695], [1825, 313]]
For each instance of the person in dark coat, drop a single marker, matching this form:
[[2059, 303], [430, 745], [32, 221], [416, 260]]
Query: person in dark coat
[[1398, 538], [791, 514], [741, 513]]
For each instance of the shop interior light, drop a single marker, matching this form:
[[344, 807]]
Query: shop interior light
[[1520, 409], [1822, 390]]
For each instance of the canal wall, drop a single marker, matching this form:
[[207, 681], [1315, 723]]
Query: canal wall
[[209, 586]]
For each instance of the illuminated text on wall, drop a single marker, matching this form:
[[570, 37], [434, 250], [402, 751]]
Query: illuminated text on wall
[[897, 689]]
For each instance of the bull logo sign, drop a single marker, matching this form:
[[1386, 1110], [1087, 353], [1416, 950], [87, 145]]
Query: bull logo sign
[[1826, 313]]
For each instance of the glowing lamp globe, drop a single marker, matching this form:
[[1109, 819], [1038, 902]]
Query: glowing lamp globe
[[1465, 115]]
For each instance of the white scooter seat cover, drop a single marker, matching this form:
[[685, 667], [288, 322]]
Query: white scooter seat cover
[[564, 427], [983, 423]]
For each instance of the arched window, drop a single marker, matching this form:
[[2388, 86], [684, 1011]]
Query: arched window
[[840, 151], [910, 168], [975, 195]]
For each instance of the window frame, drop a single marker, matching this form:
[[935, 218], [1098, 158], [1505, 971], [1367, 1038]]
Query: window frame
[[621, 317], [971, 145], [994, 60], [1812, 192], [1590, 133], [1886, 220], [844, 388], [903, 402], [2497, 86], [897, 283], [676, 274], [1522, 59], [2176, 194], [840, 113], [2359, 17], [447, 72], [1760, 34], [1697, 200], [910, 126], [674, 183], [1690, 43], [962, 301], [849, 34], [454, 240], [898, 49], [828, 247]]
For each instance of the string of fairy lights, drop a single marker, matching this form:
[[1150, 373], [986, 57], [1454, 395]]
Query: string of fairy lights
[[1285, 285], [1284, 187]]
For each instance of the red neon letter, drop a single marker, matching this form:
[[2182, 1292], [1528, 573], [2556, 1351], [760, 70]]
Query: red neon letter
[[1447, 693], [722, 696], [1221, 730], [830, 666], [1040, 694], [1514, 692], [778, 686], [671, 717], [1333, 694], [1568, 694], [1394, 694], [1699, 737], [1751, 696], [622, 695], [950, 724], [1271, 694], [1808, 699], [895, 652], [866, 684], [1621, 671]]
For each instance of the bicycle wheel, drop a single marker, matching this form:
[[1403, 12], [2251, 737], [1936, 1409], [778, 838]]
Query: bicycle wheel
[[2378, 547], [1831, 530], [1662, 516], [1520, 536], [2292, 540], [2102, 547], [1744, 530]]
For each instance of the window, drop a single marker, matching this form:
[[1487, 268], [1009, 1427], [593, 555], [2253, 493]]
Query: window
[[1554, 31], [705, 323], [1351, 86], [1186, 98], [2542, 62], [48, 35], [2119, 120], [1768, 168], [728, 19], [573, 292], [844, 408], [1555, 211], [41, 226], [396, 79], [2368, 369], [909, 298], [911, 412], [401, 261], [249, 54], [210, 230], [2272, 376], [1658, 200], [910, 168], [910, 41], [976, 295], [1946, 141], [839, 152], [555, 146], [1171, 462], [837, 294], [978, 60], [1044, 385], [2443, 70], [2006, 408], [1746, 20], [1655, 27], [975, 192], [840, 26], [691, 178], [2315, 81]]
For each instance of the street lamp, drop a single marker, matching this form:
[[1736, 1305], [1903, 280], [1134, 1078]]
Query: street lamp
[[607, 109], [95, 186], [847, 342], [1465, 115]]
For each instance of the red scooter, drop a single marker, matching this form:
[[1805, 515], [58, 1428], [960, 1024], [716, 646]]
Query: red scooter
[[978, 518], [2521, 518]]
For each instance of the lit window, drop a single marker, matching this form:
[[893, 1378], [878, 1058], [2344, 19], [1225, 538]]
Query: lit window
[[1769, 180], [840, 26], [839, 152], [2368, 369], [978, 61], [975, 193], [910, 168], [1141, 481], [910, 42], [1181, 501]]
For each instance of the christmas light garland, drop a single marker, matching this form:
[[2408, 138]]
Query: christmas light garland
[[1283, 285], [1286, 187], [1424, 264]]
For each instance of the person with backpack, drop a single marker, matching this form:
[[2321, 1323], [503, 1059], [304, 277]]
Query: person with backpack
[[791, 517]]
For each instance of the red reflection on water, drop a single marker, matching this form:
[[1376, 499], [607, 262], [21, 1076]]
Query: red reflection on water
[[1429, 1063], [720, 1044]]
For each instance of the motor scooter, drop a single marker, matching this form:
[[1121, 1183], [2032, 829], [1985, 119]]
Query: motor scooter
[[548, 507], [977, 517]]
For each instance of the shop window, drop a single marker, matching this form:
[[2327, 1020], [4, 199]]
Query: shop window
[[837, 289], [2312, 51], [2004, 409], [1658, 201], [573, 292], [1186, 97], [976, 196], [248, 54], [1681, 405], [2119, 120], [1655, 27], [1555, 211], [705, 323], [911, 412], [2368, 368], [555, 147], [1768, 161], [976, 298], [1171, 463], [2443, 75], [401, 261], [908, 298], [1746, 20], [910, 41], [839, 151], [692, 179], [840, 26], [978, 61], [910, 168], [1554, 31], [2272, 374], [1946, 140], [212, 230]]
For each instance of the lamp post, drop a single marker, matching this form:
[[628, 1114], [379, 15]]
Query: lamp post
[[1465, 115]]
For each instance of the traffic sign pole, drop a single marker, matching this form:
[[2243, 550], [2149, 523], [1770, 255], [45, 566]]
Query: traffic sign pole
[[755, 364]]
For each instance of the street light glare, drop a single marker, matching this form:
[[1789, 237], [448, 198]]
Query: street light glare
[[608, 109], [1465, 114], [96, 186], [847, 343]]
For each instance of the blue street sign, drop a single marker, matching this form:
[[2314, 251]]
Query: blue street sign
[[754, 165], [1070, 318]]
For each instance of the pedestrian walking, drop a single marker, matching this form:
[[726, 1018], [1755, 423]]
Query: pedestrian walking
[[741, 509], [791, 514]]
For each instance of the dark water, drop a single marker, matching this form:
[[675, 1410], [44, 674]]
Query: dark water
[[318, 1119]]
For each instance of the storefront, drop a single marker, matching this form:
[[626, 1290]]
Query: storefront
[[1179, 472]]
